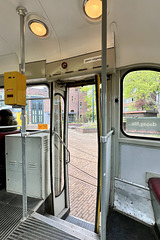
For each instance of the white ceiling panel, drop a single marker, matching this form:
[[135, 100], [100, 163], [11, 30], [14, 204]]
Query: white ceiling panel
[[135, 24], [137, 31]]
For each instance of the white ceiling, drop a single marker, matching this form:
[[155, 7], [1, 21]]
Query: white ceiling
[[135, 23]]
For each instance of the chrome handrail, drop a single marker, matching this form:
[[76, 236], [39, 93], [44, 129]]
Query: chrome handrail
[[10, 126]]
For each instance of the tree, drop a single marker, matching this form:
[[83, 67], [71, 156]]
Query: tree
[[144, 88], [89, 97]]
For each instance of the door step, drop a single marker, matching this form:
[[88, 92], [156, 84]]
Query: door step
[[70, 228], [33, 228], [80, 222]]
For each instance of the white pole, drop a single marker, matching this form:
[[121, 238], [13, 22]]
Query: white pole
[[105, 187], [22, 12]]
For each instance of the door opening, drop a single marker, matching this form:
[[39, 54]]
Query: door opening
[[83, 145]]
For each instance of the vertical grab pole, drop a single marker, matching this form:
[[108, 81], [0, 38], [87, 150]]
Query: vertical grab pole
[[105, 189], [22, 12]]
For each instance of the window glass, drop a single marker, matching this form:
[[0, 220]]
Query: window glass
[[37, 108], [16, 111], [80, 104], [58, 146], [141, 104]]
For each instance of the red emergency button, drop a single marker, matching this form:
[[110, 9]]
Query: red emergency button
[[64, 65]]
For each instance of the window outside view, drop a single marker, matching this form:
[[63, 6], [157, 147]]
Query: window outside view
[[37, 108], [141, 104]]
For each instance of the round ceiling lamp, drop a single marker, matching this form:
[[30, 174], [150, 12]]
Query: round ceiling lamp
[[38, 26], [93, 9]]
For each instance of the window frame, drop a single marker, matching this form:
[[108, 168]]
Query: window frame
[[121, 102]]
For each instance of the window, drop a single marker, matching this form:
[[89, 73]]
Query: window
[[126, 109], [141, 104], [37, 108], [126, 100], [58, 146], [80, 104], [1, 98], [158, 97], [16, 111], [72, 98], [37, 115]]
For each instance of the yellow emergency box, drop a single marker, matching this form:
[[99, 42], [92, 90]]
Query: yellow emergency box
[[15, 88]]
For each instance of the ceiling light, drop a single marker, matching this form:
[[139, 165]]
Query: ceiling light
[[93, 9], [37, 25], [38, 28]]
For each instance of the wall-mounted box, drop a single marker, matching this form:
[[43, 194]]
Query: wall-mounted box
[[15, 88], [38, 164]]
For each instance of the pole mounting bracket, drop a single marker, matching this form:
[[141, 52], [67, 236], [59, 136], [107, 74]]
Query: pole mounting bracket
[[103, 139], [21, 11]]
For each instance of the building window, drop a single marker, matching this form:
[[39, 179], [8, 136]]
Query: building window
[[80, 104], [126, 109], [37, 111], [158, 97], [72, 98], [140, 104]]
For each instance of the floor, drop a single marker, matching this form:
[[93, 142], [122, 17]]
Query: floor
[[16, 200], [11, 211], [120, 227]]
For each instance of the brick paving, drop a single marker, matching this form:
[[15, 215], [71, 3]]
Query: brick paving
[[83, 174]]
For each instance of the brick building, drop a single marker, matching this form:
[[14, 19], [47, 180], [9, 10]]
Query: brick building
[[38, 107], [38, 110], [77, 105]]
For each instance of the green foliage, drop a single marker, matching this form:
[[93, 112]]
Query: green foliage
[[89, 95], [142, 87], [89, 115]]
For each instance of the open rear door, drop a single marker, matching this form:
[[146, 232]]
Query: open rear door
[[99, 131], [59, 153]]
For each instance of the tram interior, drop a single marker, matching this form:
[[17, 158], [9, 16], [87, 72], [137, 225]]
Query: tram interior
[[72, 51]]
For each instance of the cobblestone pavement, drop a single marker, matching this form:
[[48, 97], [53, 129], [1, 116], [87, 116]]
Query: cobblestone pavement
[[83, 174]]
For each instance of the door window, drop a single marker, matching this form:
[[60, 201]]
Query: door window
[[58, 146]]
